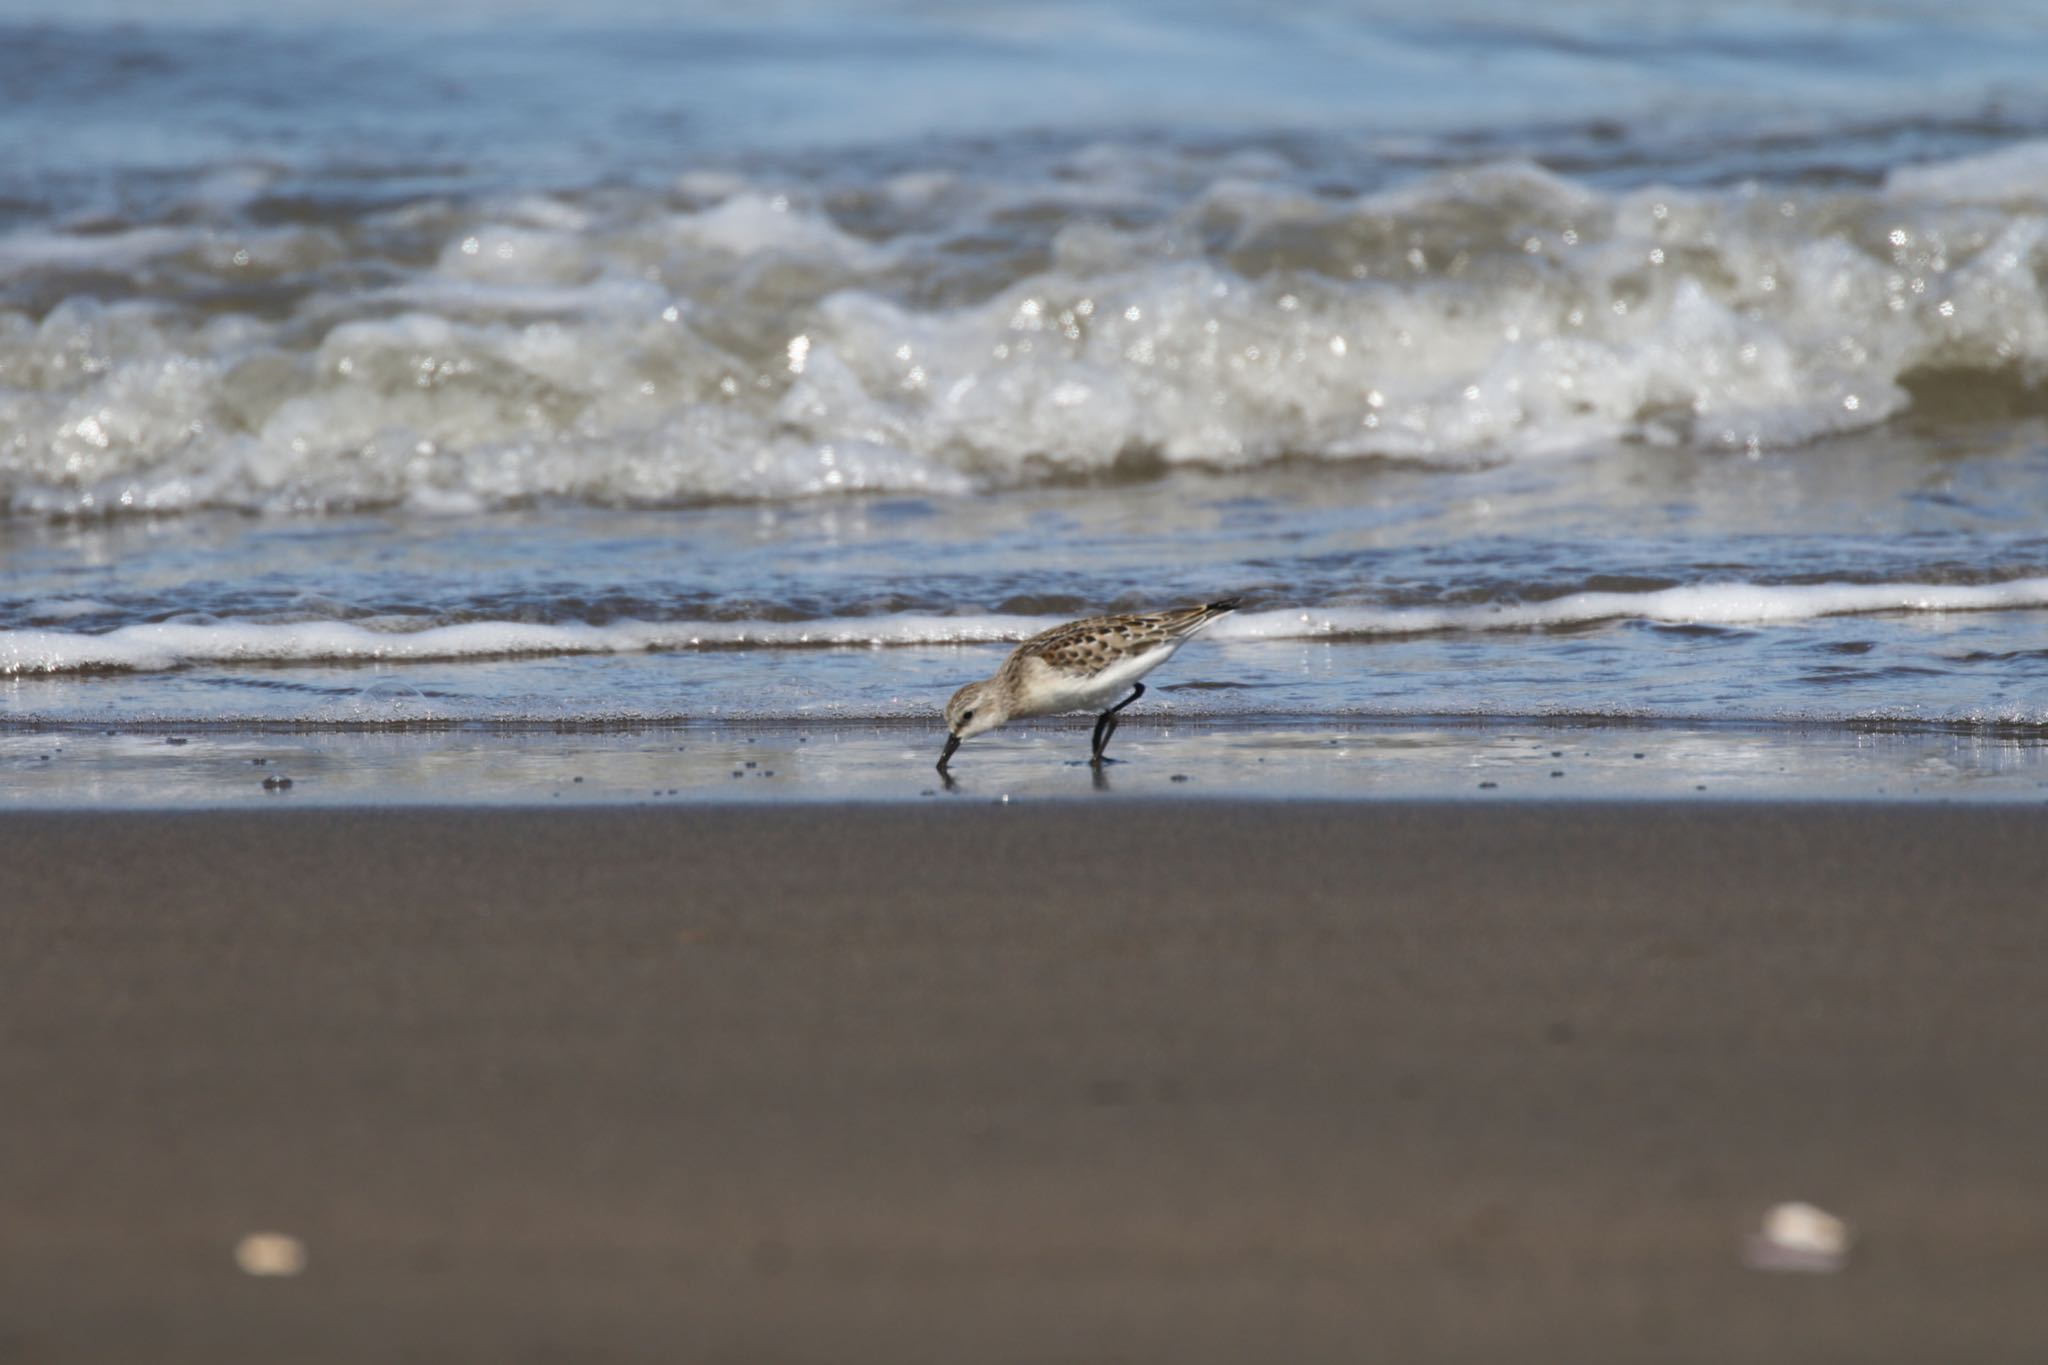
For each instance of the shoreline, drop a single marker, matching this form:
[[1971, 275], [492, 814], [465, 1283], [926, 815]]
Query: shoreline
[[832, 762], [1199, 1079]]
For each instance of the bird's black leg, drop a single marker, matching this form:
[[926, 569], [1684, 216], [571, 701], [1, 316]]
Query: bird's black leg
[[1105, 724]]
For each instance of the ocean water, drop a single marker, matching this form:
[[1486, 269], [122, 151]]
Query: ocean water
[[1607, 364]]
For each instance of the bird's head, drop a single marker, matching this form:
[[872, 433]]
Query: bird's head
[[975, 709]]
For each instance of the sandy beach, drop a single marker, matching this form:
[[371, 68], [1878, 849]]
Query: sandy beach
[[1195, 1081]]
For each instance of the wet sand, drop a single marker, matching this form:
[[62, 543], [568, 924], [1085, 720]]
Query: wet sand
[[1198, 1081]]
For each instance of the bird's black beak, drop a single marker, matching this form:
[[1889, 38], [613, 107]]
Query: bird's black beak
[[952, 743]]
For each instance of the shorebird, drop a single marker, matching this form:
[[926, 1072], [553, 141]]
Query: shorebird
[[1076, 667]]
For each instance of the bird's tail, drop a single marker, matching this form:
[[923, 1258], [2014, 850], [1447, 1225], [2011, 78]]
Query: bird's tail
[[1188, 620]]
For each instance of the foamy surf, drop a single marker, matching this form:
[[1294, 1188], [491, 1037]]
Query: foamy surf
[[162, 646], [1721, 604], [168, 645], [736, 339]]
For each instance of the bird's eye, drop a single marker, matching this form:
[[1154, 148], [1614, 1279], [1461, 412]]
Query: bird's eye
[[966, 716]]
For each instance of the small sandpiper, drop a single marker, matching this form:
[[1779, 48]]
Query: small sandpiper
[[1076, 667]]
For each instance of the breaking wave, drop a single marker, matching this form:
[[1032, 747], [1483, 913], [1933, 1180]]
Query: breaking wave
[[1124, 310]]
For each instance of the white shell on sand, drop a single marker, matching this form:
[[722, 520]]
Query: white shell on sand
[[270, 1254], [1798, 1237]]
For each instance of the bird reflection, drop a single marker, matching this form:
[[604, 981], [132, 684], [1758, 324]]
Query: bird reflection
[[1098, 778]]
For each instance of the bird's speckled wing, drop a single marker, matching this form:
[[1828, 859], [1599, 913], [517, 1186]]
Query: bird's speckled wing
[[1094, 644]]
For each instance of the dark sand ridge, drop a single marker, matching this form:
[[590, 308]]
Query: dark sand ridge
[[1200, 1082]]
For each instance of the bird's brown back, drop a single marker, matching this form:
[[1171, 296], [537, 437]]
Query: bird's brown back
[[1093, 644]]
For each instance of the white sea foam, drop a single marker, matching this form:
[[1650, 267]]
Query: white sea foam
[[170, 645], [1723, 604], [620, 351]]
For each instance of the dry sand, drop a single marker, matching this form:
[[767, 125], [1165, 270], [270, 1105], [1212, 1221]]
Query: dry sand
[[1194, 1082]]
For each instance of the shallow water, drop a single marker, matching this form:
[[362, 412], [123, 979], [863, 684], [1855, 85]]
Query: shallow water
[[243, 767], [680, 365], [865, 609]]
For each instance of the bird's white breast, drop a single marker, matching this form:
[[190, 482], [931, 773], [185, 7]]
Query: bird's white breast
[[1049, 691]]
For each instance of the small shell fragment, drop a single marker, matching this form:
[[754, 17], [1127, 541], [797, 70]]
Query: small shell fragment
[[1798, 1238], [270, 1254]]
